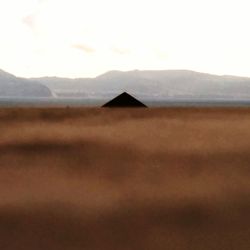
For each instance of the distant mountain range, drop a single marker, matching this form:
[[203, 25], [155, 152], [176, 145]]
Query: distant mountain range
[[152, 85], [12, 86], [146, 85]]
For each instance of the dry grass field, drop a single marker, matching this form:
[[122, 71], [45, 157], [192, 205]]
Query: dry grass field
[[125, 179]]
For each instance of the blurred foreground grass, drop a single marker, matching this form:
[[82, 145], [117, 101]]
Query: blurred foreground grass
[[114, 179]]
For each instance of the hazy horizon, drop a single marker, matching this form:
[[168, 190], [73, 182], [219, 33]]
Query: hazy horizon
[[123, 71], [81, 38]]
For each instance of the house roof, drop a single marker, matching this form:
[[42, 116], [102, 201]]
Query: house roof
[[124, 100]]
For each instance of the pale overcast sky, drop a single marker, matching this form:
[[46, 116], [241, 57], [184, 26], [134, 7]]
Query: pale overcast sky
[[85, 38]]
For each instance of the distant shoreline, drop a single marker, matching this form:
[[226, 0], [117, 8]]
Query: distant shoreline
[[80, 102]]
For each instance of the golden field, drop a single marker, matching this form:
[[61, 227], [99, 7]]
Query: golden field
[[125, 179]]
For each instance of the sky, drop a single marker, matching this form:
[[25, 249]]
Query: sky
[[85, 38]]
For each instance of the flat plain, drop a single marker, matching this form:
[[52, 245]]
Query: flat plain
[[124, 179]]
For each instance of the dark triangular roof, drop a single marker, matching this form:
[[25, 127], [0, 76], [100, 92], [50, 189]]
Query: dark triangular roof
[[124, 100]]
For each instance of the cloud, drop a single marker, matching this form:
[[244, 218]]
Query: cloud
[[30, 21], [83, 47], [31, 18], [121, 51]]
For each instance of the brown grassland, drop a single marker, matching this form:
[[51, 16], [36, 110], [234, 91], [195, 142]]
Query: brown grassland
[[125, 179]]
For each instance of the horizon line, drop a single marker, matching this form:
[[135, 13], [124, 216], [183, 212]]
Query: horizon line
[[125, 71]]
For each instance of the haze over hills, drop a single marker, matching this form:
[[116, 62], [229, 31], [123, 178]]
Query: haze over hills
[[12, 86], [153, 85], [146, 85]]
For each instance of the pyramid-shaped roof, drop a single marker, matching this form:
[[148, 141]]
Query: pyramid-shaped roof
[[124, 100]]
